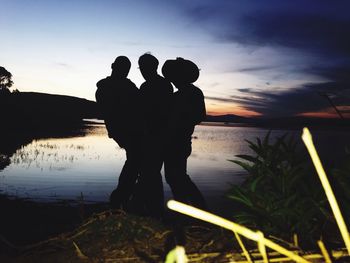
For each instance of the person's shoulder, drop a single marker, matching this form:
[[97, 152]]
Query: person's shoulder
[[130, 83], [196, 91], [164, 83], [143, 86], [102, 87], [103, 82], [162, 79]]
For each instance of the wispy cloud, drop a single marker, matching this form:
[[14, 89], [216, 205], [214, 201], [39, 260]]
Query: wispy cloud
[[221, 99], [256, 69], [62, 65], [291, 102]]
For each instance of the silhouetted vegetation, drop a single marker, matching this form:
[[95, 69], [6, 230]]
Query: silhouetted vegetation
[[283, 195], [5, 80]]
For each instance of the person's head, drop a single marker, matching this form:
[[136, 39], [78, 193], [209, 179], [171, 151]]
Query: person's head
[[121, 67], [180, 71], [148, 65]]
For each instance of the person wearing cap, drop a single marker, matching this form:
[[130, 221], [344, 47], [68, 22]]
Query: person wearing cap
[[156, 93], [118, 101], [188, 110]]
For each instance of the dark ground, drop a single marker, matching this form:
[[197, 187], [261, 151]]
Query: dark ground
[[24, 222], [47, 232]]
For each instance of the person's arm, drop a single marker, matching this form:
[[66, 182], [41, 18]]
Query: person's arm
[[200, 111], [101, 84], [164, 102], [101, 96], [196, 111]]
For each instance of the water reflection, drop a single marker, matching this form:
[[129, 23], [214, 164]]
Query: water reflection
[[8, 146], [40, 154], [89, 162], [63, 168], [12, 141]]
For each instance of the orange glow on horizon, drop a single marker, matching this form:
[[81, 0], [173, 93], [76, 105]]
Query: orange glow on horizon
[[216, 110], [328, 113], [319, 115]]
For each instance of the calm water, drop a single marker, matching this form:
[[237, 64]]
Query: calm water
[[65, 168]]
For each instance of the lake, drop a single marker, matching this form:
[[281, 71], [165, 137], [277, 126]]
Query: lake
[[88, 164]]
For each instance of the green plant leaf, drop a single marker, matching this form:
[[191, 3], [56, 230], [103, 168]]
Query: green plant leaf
[[245, 166], [247, 157], [254, 183]]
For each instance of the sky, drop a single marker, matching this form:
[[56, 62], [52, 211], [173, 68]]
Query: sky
[[266, 58]]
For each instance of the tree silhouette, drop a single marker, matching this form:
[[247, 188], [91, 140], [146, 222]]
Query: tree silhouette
[[5, 80]]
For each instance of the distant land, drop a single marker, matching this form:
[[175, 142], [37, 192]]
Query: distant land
[[33, 110], [293, 122], [228, 118]]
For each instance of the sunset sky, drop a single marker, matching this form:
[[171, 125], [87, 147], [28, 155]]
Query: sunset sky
[[272, 58]]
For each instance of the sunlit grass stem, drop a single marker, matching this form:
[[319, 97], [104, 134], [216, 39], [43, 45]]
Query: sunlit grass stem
[[307, 138], [261, 247], [216, 220], [324, 252], [245, 251]]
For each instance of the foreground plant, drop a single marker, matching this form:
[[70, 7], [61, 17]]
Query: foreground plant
[[258, 236], [282, 195]]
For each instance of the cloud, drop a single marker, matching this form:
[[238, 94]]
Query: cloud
[[256, 68], [317, 26], [214, 84], [220, 99], [244, 90], [291, 102], [247, 102], [313, 37], [63, 65], [314, 33]]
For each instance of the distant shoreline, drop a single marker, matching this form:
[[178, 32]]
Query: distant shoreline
[[262, 125], [33, 112]]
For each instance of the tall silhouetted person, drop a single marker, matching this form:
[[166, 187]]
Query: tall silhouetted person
[[188, 110], [156, 93], [118, 100]]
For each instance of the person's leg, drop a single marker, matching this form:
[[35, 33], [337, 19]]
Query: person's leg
[[174, 168], [150, 185], [127, 178], [182, 187]]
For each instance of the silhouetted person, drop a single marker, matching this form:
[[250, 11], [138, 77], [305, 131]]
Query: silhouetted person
[[118, 100], [156, 95], [188, 110]]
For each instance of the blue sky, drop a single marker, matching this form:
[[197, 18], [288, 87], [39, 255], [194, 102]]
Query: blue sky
[[271, 58]]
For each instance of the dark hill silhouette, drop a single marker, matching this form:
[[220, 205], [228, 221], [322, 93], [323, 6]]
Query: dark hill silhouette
[[228, 118], [41, 111], [26, 116], [293, 122]]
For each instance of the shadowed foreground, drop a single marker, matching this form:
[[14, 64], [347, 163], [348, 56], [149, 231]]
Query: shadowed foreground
[[113, 236]]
